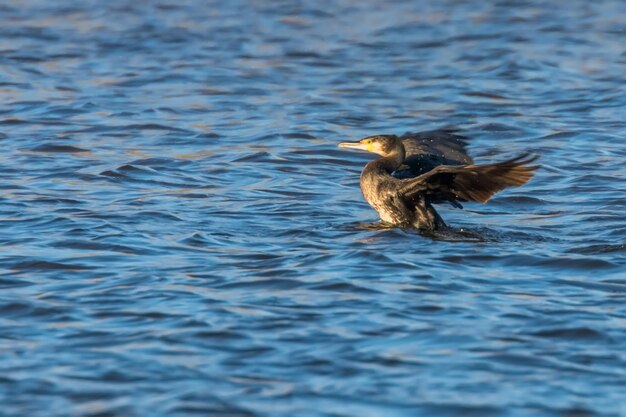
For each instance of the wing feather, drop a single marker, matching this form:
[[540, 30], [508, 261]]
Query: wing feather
[[442, 144], [471, 182]]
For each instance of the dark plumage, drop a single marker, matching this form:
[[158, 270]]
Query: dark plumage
[[419, 169]]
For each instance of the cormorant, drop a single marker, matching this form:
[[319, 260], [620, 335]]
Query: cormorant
[[419, 169]]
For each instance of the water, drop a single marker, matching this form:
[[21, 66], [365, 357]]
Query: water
[[181, 236]]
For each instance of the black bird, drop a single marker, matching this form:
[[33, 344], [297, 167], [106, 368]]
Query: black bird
[[419, 169]]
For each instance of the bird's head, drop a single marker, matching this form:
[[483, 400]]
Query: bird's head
[[384, 145]]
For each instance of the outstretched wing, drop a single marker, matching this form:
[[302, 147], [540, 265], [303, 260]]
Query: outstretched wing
[[470, 182], [427, 150], [444, 144]]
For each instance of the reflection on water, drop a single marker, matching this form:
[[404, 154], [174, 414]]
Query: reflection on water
[[181, 235]]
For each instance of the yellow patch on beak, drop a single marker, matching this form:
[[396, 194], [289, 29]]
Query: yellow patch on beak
[[368, 146]]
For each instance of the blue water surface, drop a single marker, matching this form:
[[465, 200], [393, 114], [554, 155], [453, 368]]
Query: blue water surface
[[181, 235]]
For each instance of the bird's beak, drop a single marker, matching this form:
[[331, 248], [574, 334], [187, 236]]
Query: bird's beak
[[354, 145]]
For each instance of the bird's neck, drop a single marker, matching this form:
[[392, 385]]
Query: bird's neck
[[392, 161]]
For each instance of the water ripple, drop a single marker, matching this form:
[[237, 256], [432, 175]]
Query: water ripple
[[182, 235]]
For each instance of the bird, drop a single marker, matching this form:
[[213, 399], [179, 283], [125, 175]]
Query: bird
[[417, 170]]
